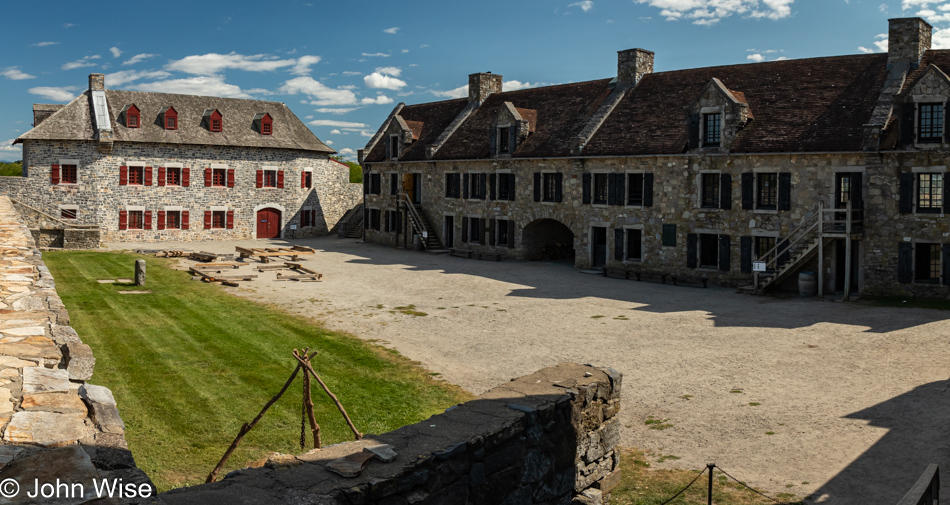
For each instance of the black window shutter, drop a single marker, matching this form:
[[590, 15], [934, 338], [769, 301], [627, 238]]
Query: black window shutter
[[511, 187], [481, 230], [857, 190], [481, 186], [491, 186], [748, 188], [905, 262], [512, 138], [493, 146], [946, 194], [745, 255], [908, 111], [669, 235], [511, 234], [724, 253], [693, 131], [537, 186], [457, 185], [586, 189], [558, 187], [691, 250], [491, 232], [945, 265], [907, 193], [725, 191], [648, 189], [388, 150], [612, 189], [464, 229], [785, 191], [465, 186], [388, 216], [365, 184], [618, 244], [448, 185], [621, 188]]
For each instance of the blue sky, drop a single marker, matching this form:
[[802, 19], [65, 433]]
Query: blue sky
[[343, 66]]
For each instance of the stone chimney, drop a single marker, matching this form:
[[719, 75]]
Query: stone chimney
[[907, 39], [633, 64], [97, 82], [482, 85]]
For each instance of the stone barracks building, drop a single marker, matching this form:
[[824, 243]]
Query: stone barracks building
[[734, 174], [165, 167]]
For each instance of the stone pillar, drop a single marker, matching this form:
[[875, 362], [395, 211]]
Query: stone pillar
[[482, 85], [139, 272]]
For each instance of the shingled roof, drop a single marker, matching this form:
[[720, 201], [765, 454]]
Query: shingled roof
[[434, 117], [74, 122]]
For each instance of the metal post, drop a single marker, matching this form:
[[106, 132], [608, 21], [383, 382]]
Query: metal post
[[710, 467], [821, 250], [847, 252]]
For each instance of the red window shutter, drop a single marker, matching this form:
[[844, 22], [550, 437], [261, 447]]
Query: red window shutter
[[260, 178], [230, 219], [123, 219], [184, 218], [148, 220], [230, 177], [123, 175], [280, 178], [207, 177], [161, 220], [303, 179], [185, 177], [54, 174], [161, 176], [148, 176], [207, 219]]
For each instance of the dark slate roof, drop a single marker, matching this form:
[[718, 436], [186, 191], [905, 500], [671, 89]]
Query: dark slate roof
[[74, 122], [815, 104], [435, 118], [562, 112]]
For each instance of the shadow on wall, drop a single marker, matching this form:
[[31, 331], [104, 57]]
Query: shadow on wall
[[918, 435], [559, 281]]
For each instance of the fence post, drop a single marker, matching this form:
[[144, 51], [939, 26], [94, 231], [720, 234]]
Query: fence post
[[710, 467]]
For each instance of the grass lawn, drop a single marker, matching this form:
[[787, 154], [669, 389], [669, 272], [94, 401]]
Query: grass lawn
[[190, 363]]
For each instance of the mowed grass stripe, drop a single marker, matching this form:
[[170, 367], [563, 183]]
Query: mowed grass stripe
[[189, 363]]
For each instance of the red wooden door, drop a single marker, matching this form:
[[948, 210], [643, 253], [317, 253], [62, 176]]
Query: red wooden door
[[268, 223]]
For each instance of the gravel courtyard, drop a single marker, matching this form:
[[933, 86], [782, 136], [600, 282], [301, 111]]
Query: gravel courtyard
[[843, 401]]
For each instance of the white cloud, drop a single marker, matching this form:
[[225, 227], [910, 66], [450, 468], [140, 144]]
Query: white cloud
[[302, 67], [338, 124], [85, 62], [44, 44], [393, 71], [60, 94], [259, 91], [865, 50], [126, 76], [404, 51], [203, 85], [335, 132], [318, 92], [214, 63], [755, 57], [8, 147], [379, 100], [373, 55], [377, 80], [365, 133], [585, 5], [116, 52], [514, 86], [347, 151], [459, 92], [391, 31], [339, 110], [14, 73], [328, 142], [781, 58], [138, 57], [350, 72], [709, 12]]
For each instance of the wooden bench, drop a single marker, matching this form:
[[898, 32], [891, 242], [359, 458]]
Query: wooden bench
[[461, 253], [264, 255], [217, 276], [305, 274]]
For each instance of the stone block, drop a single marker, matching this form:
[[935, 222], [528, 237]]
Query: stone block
[[40, 380], [45, 428], [80, 361], [32, 351], [97, 394], [608, 483], [68, 464], [63, 403]]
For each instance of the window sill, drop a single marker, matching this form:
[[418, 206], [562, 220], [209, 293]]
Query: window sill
[[67, 184], [637, 206], [633, 260], [765, 211], [710, 209], [928, 145]]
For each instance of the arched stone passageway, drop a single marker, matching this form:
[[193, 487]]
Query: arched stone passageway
[[547, 239]]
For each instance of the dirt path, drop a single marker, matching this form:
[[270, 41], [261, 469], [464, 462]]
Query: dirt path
[[843, 401]]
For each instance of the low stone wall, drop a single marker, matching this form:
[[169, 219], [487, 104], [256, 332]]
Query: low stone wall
[[549, 438], [50, 231]]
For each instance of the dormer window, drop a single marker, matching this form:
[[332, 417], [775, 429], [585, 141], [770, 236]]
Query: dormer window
[[264, 123], [712, 129], [132, 117], [170, 118], [212, 119], [393, 147], [510, 127], [504, 140], [930, 123]]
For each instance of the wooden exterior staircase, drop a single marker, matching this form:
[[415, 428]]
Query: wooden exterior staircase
[[351, 224], [421, 226]]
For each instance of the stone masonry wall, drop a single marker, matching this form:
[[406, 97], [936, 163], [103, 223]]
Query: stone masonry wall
[[546, 438], [99, 196]]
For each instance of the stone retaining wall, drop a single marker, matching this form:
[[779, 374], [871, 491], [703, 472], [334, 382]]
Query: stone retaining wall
[[50, 231]]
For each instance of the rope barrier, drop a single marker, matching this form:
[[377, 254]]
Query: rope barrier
[[743, 484], [685, 488], [712, 468]]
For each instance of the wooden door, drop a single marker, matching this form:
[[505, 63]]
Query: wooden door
[[599, 240], [268, 223]]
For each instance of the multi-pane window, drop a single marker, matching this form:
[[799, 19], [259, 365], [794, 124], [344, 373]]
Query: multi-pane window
[[708, 250], [929, 192], [764, 248], [392, 221], [373, 223], [927, 262], [136, 176], [504, 144], [265, 128], [453, 185], [549, 185], [634, 244], [219, 219], [710, 191], [307, 180], [766, 189], [375, 182], [270, 178], [215, 125], [393, 146], [136, 220], [930, 123], [600, 188], [68, 213], [173, 176], [393, 184], [171, 123], [133, 121], [502, 226], [635, 189], [475, 229], [172, 219], [68, 175], [477, 187], [712, 126], [504, 187], [218, 177]]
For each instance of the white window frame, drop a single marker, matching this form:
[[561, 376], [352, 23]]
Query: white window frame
[[74, 208], [67, 162]]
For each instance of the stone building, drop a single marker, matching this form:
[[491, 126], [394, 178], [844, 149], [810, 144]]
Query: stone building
[[740, 175], [164, 167]]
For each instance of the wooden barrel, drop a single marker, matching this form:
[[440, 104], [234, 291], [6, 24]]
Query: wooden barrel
[[807, 284]]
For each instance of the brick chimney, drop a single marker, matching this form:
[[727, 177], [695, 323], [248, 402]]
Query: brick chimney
[[907, 39], [633, 64], [482, 85], [97, 82]]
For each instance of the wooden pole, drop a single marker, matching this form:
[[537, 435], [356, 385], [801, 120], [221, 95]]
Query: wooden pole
[[821, 250], [339, 406], [308, 405], [847, 257], [247, 427]]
